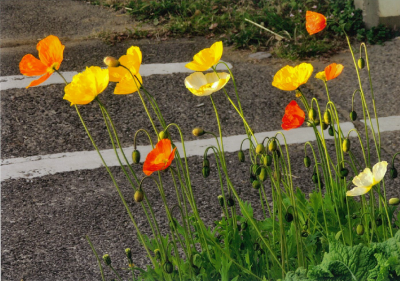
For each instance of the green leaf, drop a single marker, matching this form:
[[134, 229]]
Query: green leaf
[[246, 209], [299, 275]]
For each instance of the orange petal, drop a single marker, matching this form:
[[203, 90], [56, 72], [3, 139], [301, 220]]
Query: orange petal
[[50, 51], [39, 81], [333, 70], [31, 66], [315, 22], [294, 116], [170, 158]]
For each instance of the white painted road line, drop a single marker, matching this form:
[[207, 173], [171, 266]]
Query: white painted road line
[[38, 166], [391, 123], [21, 81]]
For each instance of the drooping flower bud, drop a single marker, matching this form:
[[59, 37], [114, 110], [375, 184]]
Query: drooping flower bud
[[327, 117], [311, 114], [289, 217], [111, 62], [260, 149], [307, 161], [163, 135], [136, 156], [198, 131], [230, 202], [256, 184], [255, 169], [241, 156], [252, 178], [315, 177], [107, 259], [128, 253], [139, 195], [263, 174], [353, 116], [324, 126], [272, 146], [360, 229], [168, 267], [205, 171], [331, 132], [343, 173], [278, 153], [361, 63], [268, 160], [346, 145], [393, 173], [221, 200], [394, 201], [157, 253], [206, 163]]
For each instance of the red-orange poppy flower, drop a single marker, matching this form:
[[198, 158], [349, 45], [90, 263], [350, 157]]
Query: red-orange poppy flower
[[50, 54], [315, 22], [159, 158], [333, 70], [294, 116]]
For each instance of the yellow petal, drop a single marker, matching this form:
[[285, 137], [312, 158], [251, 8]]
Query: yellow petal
[[357, 191], [217, 48], [204, 85], [135, 51], [379, 171], [290, 78], [127, 85], [206, 58], [321, 75]]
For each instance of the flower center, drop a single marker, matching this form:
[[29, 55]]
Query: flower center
[[53, 67]]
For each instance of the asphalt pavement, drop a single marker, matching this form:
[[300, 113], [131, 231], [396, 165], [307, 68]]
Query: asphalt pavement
[[45, 219]]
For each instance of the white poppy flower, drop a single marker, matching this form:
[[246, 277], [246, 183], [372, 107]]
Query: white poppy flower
[[205, 84], [367, 179]]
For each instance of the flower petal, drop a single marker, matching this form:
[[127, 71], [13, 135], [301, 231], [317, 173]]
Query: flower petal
[[321, 75], [204, 85], [333, 70], [206, 58], [315, 22], [379, 171], [290, 78], [357, 191], [31, 66], [365, 178], [294, 116], [127, 85], [39, 81], [51, 51], [159, 158]]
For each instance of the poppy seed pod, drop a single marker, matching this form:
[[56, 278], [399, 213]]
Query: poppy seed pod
[[361, 63], [307, 161], [168, 267], [128, 253], [272, 146], [289, 217], [107, 259], [241, 156], [221, 200], [343, 173], [230, 202], [111, 62], [198, 132], [353, 116], [205, 171], [393, 173], [260, 149], [327, 117], [311, 114], [263, 174], [360, 229], [256, 184], [394, 201], [162, 135], [331, 132], [346, 145], [139, 195], [136, 156]]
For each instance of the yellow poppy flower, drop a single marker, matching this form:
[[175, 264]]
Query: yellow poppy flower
[[205, 84], [132, 60], [367, 179], [206, 58], [127, 85], [290, 78], [87, 85], [321, 75]]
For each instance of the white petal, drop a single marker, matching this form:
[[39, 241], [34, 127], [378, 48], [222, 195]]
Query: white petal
[[357, 191], [379, 171], [365, 178], [195, 80]]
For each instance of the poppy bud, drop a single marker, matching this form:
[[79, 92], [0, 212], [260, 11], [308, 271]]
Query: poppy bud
[[252, 178], [168, 267], [324, 126], [221, 200], [353, 115], [346, 145], [205, 171], [278, 153], [394, 201], [307, 161], [327, 117], [128, 253], [256, 246], [343, 173], [393, 173], [277, 176], [288, 217], [304, 233], [244, 226], [268, 160], [206, 163], [198, 131], [316, 122], [139, 195], [162, 135], [331, 131], [272, 146], [361, 63], [315, 177], [255, 169], [256, 184], [263, 174], [157, 253], [360, 229], [260, 149], [136, 156], [107, 259], [311, 114], [111, 62], [230, 202], [241, 156]]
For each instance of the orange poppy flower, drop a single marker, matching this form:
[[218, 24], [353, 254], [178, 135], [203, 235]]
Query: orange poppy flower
[[50, 55], [333, 70], [160, 158], [294, 116], [315, 22]]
